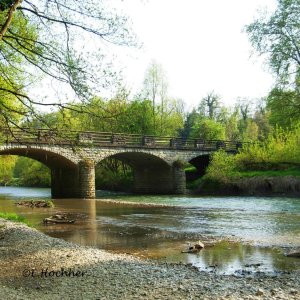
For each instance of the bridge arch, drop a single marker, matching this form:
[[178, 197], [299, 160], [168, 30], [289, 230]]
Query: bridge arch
[[134, 155], [200, 162], [136, 159], [152, 173], [50, 158], [64, 171]]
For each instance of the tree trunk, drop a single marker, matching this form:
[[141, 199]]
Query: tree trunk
[[10, 15]]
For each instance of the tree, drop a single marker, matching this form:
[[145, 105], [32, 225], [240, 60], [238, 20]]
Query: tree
[[209, 105], [208, 129], [278, 37], [284, 106], [250, 133], [189, 122], [40, 39], [262, 121], [232, 128], [155, 89], [244, 107], [171, 117]]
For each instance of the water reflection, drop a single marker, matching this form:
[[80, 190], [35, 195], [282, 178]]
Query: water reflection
[[162, 232]]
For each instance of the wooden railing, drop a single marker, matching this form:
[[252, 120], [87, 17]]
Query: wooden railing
[[105, 139]]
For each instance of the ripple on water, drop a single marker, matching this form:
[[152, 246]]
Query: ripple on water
[[161, 232]]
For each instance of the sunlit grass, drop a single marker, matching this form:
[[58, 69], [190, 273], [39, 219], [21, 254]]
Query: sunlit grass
[[14, 217]]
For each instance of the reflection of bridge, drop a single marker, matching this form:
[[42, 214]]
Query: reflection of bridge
[[72, 156]]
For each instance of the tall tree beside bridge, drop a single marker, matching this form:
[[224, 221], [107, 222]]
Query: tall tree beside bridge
[[277, 37]]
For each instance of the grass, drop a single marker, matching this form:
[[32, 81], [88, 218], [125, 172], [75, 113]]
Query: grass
[[50, 203], [208, 184], [291, 172], [190, 169], [14, 217], [193, 184]]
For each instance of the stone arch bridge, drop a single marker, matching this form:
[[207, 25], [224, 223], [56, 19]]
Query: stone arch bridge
[[157, 162]]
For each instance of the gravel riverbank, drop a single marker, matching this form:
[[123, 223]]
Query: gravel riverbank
[[36, 266]]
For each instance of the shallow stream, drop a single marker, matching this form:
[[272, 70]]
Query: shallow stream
[[242, 235]]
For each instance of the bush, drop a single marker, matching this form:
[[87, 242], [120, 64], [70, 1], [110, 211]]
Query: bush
[[222, 167], [278, 152]]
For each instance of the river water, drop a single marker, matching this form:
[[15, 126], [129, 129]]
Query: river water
[[252, 233]]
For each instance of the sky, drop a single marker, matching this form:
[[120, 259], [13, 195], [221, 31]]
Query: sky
[[201, 46]]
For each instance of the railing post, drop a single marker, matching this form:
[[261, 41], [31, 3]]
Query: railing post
[[238, 145], [199, 144], [172, 143], [220, 144]]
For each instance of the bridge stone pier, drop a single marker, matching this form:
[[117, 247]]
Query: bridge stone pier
[[76, 182], [158, 169]]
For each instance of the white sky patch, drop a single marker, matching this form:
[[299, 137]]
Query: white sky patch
[[201, 46]]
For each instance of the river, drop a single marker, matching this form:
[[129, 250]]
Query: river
[[252, 232]]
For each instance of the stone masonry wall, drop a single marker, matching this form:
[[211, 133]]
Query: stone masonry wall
[[78, 178]]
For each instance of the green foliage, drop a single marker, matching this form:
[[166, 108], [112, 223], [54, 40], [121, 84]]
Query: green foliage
[[194, 184], [112, 174], [222, 167], [232, 128], [190, 120], [272, 173], [121, 116], [7, 164], [284, 106], [190, 169], [208, 129], [278, 155], [166, 115], [283, 146], [49, 41], [209, 106], [49, 203], [5, 4], [262, 120], [278, 36], [31, 173], [13, 78], [250, 132], [14, 217]]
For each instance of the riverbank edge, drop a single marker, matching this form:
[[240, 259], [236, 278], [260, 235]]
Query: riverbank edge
[[115, 276], [270, 186]]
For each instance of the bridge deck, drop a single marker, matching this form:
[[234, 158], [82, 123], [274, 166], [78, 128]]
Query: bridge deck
[[106, 139]]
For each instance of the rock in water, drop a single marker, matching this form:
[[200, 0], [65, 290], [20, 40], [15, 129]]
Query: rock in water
[[294, 254], [194, 249], [199, 245]]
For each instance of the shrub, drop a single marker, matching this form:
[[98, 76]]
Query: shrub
[[280, 149], [222, 167]]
